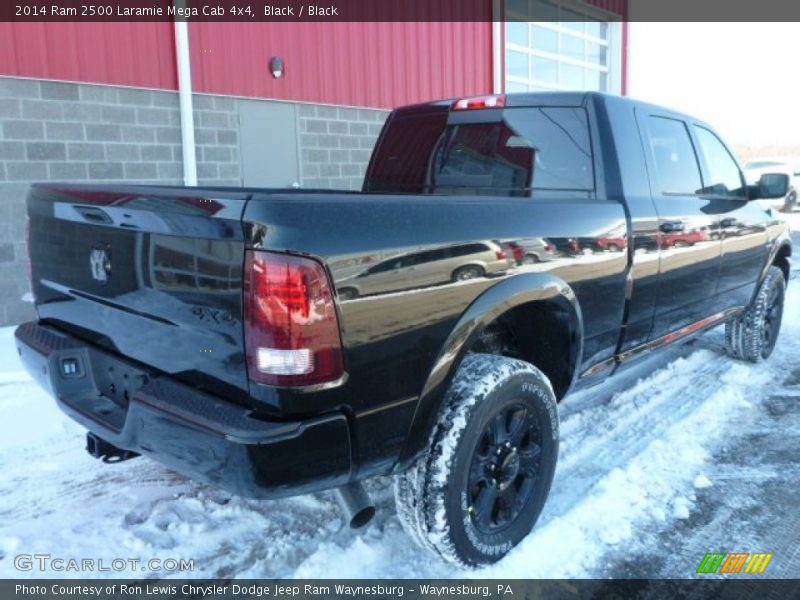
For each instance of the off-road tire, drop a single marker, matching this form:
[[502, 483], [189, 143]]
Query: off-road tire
[[752, 335], [432, 495]]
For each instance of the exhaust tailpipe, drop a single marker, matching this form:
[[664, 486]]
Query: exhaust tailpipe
[[355, 503]]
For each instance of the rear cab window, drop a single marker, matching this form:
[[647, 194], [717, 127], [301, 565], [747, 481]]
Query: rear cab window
[[530, 148]]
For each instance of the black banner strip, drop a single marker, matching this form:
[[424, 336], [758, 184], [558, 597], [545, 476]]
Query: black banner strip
[[736, 587], [251, 11]]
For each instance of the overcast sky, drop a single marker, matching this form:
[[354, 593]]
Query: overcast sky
[[742, 78]]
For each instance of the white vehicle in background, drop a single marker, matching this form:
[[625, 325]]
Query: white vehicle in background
[[754, 169]]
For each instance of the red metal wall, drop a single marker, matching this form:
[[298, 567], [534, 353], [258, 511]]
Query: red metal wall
[[364, 64], [135, 54], [379, 64], [618, 7]]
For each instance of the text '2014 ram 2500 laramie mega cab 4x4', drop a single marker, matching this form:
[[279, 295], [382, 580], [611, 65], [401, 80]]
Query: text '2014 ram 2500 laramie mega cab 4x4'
[[277, 342]]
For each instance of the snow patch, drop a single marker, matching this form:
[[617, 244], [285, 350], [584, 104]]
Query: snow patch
[[680, 508], [701, 481], [629, 466]]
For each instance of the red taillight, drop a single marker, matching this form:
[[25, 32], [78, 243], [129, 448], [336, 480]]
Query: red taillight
[[480, 102], [501, 254], [548, 248], [291, 329]]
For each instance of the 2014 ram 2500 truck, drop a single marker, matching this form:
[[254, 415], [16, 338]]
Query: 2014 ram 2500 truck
[[277, 342]]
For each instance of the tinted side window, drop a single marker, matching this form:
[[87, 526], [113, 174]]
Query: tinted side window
[[723, 177], [468, 249], [677, 171], [389, 265], [431, 256]]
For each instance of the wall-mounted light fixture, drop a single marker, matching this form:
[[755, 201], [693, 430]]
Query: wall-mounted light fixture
[[276, 67]]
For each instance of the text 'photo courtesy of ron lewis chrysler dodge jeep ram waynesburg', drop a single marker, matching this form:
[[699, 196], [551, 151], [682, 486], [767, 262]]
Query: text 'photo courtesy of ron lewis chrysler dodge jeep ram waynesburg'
[[505, 251]]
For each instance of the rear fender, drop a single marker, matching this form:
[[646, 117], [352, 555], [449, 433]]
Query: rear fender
[[500, 298]]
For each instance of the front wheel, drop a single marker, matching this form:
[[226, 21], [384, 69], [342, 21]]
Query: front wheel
[[479, 488], [752, 335]]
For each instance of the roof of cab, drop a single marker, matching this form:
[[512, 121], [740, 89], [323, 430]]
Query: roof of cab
[[548, 98]]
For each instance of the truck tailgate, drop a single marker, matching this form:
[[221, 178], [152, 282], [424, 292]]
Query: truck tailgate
[[152, 273]]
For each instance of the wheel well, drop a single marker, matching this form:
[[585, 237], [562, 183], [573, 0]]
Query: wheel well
[[541, 333], [782, 260]]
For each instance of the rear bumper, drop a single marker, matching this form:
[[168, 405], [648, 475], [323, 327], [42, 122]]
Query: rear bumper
[[190, 431]]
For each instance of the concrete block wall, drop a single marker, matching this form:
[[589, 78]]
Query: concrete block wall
[[75, 132], [336, 143], [69, 132]]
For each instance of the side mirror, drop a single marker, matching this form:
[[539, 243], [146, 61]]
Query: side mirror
[[772, 185]]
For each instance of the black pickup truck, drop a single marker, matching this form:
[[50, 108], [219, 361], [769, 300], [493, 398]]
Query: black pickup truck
[[277, 342]]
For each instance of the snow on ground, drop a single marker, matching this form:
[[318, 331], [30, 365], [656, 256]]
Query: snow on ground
[[636, 454]]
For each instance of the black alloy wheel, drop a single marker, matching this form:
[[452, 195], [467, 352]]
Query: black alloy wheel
[[504, 470]]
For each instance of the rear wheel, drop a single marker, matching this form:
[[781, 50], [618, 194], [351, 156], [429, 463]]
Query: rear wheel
[[480, 487], [752, 335], [468, 272]]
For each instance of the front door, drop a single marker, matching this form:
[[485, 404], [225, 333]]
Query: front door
[[742, 228], [689, 257]]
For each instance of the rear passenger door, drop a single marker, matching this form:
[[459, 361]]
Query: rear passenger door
[[689, 259]]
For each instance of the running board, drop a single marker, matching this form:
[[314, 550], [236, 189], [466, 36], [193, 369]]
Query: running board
[[664, 340]]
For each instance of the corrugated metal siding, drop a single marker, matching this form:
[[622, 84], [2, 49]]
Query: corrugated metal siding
[[376, 64], [134, 54]]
